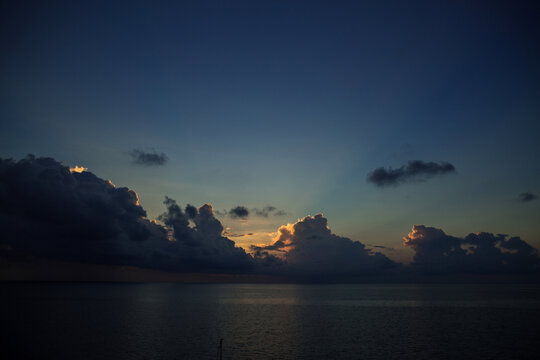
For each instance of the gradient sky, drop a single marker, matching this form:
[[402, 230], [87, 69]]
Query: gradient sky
[[289, 104]]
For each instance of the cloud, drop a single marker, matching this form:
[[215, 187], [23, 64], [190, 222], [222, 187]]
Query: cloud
[[381, 247], [48, 211], [51, 212], [527, 196], [416, 170], [268, 210], [237, 235], [141, 157], [310, 249], [239, 212], [202, 246], [242, 212], [191, 211], [439, 253], [265, 211], [221, 213]]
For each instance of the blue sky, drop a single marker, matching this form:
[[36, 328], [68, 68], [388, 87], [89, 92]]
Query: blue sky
[[289, 104]]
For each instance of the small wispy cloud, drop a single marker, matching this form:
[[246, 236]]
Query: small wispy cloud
[[269, 210], [153, 158], [527, 196], [242, 212]]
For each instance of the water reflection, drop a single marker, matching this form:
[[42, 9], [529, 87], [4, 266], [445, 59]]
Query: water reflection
[[170, 321]]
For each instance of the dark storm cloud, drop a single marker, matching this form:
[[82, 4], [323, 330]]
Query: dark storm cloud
[[310, 249], [439, 253], [527, 196], [416, 170], [239, 212], [49, 211], [141, 157]]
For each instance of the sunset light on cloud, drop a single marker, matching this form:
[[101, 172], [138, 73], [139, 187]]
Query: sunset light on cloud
[[78, 169]]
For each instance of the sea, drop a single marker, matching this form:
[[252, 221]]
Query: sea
[[268, 321]]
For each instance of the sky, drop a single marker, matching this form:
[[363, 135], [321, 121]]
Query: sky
[[379, 115]]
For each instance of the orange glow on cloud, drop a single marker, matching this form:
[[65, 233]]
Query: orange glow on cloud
[[78, 169], [135, 195], [285, 234]]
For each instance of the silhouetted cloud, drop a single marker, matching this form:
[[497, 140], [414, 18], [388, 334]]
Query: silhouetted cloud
[[240, 212], [527, 196], [437, 252], [310, 249], [49, 211], [141, 157], [191, 211], [203, 246], [416, 170]]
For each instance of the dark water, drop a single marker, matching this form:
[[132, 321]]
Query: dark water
[[171, 321]]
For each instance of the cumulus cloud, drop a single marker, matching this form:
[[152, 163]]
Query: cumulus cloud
[[309, 248], [141, 157], [202, 246], [527, 196], [416, 170], [437, 252], [49, 211]]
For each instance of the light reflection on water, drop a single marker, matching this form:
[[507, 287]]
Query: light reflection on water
[[173, 321]]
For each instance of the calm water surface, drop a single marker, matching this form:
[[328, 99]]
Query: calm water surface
[[173, 321]]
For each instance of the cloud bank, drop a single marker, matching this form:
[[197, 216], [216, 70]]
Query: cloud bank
[[416, 170], [439, 253], [51, 211], [153, 158], [47, 210]]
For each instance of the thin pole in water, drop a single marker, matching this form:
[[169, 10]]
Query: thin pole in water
[[220, 349]]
